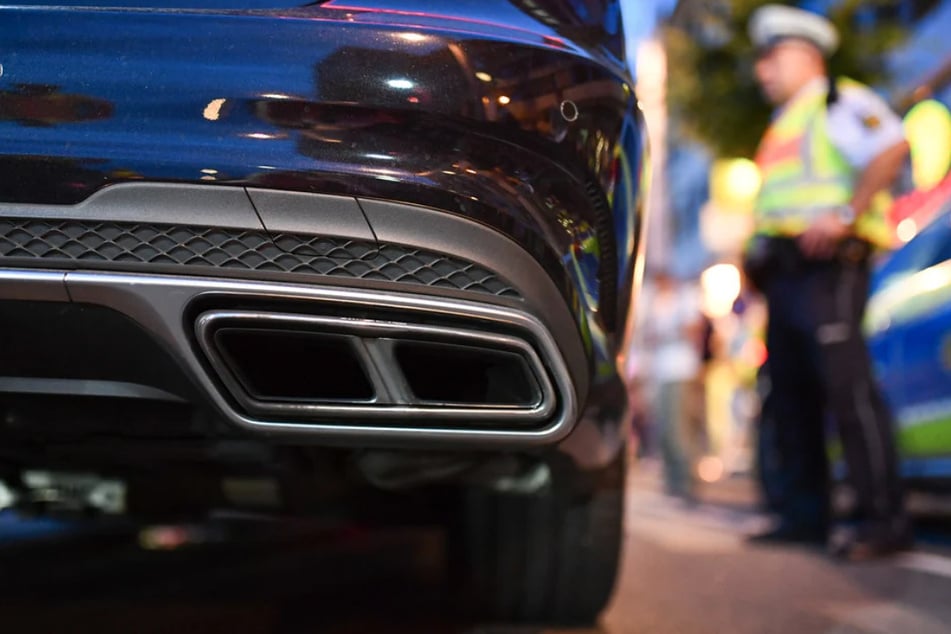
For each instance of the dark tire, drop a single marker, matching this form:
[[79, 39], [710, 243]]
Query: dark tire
[[547, 558]]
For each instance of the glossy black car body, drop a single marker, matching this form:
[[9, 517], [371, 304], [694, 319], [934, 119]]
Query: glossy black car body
[[356, 243]]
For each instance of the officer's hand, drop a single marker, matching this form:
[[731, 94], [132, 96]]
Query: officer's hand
[[820, 240]]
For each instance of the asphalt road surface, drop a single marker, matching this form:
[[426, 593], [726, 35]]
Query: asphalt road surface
[[686, 570]]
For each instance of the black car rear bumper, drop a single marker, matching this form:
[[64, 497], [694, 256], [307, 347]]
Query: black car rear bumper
[[418, 274]]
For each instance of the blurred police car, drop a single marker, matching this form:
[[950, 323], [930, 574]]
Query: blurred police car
[[908, 324]]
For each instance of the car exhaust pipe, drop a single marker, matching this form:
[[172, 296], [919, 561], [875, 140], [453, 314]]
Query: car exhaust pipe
[[280, 365], [321, 367]]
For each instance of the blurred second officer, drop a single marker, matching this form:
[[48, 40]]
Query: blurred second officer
[[832, 146]]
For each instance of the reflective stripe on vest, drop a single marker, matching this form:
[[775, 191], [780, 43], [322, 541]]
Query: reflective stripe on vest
[[804, 175]]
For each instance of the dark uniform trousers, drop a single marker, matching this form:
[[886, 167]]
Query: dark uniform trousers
[[820, 370]]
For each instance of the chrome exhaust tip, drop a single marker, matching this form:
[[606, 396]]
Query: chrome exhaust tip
[[318, 368]]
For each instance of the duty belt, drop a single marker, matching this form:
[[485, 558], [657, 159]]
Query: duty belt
[[768, 256]]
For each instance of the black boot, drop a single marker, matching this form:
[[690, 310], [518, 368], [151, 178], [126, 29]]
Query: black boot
[[873, 540]]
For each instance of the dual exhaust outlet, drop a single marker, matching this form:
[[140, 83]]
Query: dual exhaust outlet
[[319, 368]]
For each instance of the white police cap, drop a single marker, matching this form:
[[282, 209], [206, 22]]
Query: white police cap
[[772, 23]]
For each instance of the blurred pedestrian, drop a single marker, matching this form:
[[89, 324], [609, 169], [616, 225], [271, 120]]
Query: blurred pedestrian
[[674, 332], [832, 147]]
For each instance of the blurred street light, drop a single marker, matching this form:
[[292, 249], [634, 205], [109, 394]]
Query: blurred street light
[[734, 184], [727, 220], [720, 285]]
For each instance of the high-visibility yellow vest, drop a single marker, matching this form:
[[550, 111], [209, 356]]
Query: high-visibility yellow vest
[[804, 175]]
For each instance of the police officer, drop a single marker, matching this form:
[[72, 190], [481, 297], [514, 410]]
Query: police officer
[[832, 147]]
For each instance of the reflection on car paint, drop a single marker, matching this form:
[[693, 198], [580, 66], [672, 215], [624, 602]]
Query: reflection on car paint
[[209, 115]]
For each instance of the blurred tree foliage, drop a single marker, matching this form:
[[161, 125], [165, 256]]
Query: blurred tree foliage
[[712, 95]]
